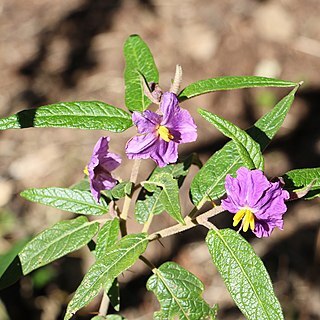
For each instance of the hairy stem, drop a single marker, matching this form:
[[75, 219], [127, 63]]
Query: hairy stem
[[202, 219], [104, 305], [147, 224], [128, 198]]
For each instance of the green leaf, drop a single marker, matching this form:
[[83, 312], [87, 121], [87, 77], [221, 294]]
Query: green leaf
[[107, 237], [82, 185], [178, 170], [119, 258], [169, 196], [138, 59], [57, 241], [248, 149], [230, 83], [208, 183], [302, 178], [244, 274], [76, 201], [179, 294], [7, 258], [94, 115], [119, 191], [175, 170], [10, 265], [150, 205]]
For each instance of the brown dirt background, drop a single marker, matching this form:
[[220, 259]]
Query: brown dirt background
[[72, 50]]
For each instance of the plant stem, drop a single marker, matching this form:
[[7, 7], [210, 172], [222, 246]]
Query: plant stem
[[104, 305], [146, 226], [202, 219], [128, 198]]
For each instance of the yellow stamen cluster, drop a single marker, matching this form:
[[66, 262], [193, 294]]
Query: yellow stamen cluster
[[85, 171], [164, 133], [248, 219]]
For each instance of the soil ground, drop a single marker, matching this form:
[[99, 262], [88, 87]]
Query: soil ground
[[72, 50]]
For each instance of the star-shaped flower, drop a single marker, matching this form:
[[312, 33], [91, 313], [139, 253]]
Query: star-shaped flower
[[160, 134], [259, 203]]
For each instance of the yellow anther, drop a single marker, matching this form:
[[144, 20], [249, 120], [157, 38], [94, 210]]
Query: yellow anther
[[248, 219], [164, 133], [85, 171]]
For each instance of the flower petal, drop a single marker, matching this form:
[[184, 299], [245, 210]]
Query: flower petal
[[264, 228], [168, 106], [110, 161], [272, 204], [147, 121], [102, 146], [254, 182], [102, 162], [182, 126], [165, 153], [179, 121], [101, 181], [141, 146], [236, 195]]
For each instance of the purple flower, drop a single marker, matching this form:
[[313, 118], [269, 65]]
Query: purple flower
[[102, 162], [259, 203], [159, 135]]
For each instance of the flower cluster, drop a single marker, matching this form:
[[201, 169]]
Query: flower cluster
[[160, 134], [259, 203]]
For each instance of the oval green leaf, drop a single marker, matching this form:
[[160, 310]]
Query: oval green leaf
[[119, 191], [230, 83], [119, 258], [244, 274], [169, 195], [107, 237], [57, 241], [138, 60], [72, 200], [150, 205], [93, 115], [179, 294]]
